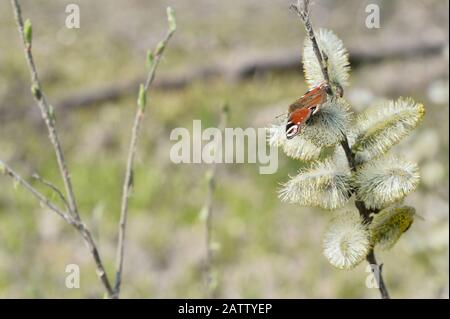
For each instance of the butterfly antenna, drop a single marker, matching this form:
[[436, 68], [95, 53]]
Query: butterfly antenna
[[278, 116]]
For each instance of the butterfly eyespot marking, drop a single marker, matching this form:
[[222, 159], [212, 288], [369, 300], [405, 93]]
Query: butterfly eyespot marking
[[291, 130], [314, 110], [303, 108]]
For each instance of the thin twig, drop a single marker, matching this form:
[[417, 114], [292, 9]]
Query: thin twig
[[377, 270], [348, 153], [303, 12], [46, 111], [85, 233], [128, 182], [78, 224], [208, 209], [8, 171], [49, 119], [54, 188], [366, 214]]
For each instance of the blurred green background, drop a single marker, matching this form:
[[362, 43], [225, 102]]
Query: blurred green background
[[266, 249]]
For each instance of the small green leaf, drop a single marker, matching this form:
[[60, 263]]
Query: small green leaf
[[160, 48], [389, 224], [28, 32], [150, 58], [142, 99], [171, 19], [36, 91]]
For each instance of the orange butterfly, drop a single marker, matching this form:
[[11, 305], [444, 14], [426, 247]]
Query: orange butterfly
[[306, 106]]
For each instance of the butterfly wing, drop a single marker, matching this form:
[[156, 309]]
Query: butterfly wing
[[295, 121], [314, 97], [301, 110]]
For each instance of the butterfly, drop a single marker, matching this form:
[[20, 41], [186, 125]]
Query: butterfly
[[306, 106]]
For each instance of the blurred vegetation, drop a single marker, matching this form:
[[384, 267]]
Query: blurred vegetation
[[267, 249]]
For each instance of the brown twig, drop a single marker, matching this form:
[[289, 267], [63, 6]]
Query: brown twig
[[208, 209], [78, 224], [48, 116], [367, 219], [46, 111], [377, 270], [8, 171], [303, 12], [53, 188], [128, 182]]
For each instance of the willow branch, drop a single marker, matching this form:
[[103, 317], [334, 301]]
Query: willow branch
[[367, 218], [8, 171], [47, 114], [128, 182], [378, 275], [46, 111], [53, 188], [303, 12], [85, 233], [208, 208]]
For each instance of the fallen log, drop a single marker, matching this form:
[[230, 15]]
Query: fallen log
[[237, 68]]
